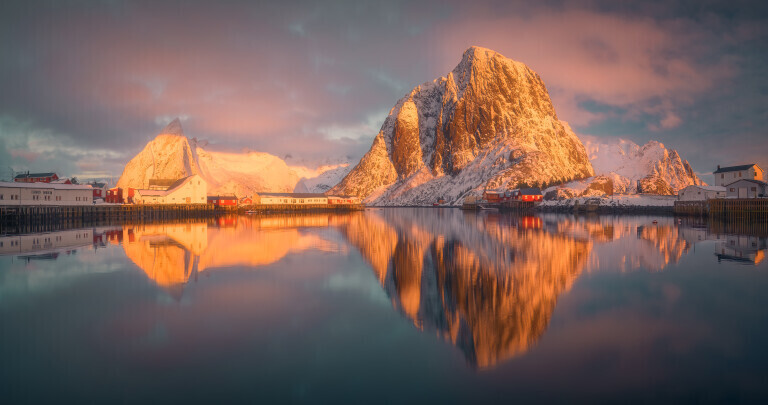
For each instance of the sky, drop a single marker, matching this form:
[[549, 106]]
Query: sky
[[84, 85]]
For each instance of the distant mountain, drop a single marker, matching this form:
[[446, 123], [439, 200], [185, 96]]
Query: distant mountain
[[171, 155], [621, 164], [489, 124], [325, 180]]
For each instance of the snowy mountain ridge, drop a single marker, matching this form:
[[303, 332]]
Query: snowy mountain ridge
[[658, 170], [171, 155]]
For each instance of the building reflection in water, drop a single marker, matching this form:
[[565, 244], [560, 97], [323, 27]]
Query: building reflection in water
[[172, 254]]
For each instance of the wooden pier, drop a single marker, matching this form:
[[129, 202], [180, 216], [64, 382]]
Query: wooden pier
[[725, 208], [14, 218], [18, 217], [517, 206]]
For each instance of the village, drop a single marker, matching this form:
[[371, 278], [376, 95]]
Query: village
[[736, 188], [47, 189]]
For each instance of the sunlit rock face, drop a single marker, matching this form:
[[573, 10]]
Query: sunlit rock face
[[171, 155], [489, 124], [489, 286]]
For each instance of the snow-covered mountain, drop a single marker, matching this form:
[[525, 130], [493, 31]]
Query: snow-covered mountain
[[171, 155], [488, 124], [620, 164], [329, 177]]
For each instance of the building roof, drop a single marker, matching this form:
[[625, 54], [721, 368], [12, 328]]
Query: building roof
[[733, 168], [97, 185], [293, 195], [56, 186], [530, 191], [762, 183], [176, 184], [28, 175], [161, 182]]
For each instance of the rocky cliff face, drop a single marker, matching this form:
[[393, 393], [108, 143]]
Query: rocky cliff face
[[171, 155], [488, 124]]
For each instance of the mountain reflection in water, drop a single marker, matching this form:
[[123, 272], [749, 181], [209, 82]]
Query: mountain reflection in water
[[170, 254], [488, 283]]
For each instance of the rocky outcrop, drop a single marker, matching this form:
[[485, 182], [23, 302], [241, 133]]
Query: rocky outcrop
[[658, 170], [489, 124]]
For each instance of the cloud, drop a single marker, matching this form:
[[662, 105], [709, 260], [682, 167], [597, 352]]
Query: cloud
[[610, 59], [318, 78], [670, 121]]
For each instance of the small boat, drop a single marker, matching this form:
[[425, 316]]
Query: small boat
[[655, 221], [251, 212]]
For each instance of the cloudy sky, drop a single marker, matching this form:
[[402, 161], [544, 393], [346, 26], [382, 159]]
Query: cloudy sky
[[85, 84]]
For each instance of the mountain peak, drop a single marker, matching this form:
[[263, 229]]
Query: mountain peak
[[478, 52], [173, 128], [488, 124]]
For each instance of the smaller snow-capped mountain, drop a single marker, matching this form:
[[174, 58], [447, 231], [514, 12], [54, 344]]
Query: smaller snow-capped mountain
[[330, 176], [171, 155], [621, 164]]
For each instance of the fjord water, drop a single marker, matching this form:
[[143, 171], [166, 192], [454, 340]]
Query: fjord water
[[387, 305]]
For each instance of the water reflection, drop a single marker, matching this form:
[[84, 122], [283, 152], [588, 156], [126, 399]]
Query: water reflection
[[487, 283], [171, 254]]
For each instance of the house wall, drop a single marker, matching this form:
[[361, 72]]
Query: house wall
[[271, 200], [45, 196], [192, 191], [693, 193], [10, 196], [744, 189], [753, 173], [341, 201]]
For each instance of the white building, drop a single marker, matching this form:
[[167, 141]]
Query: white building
[[290, 198], [47, 194], [189, 190], [701, 193], [342, 200], [747, 189], [727, 175]]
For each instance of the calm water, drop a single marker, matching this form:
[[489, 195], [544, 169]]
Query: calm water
[[393, 306]]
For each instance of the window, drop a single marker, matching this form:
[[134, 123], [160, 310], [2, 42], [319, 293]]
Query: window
[[732, 189], [739, 174], [754, 188], [722, 176]]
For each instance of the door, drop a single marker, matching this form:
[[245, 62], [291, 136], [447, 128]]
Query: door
[[189, 200], [743, 192]]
